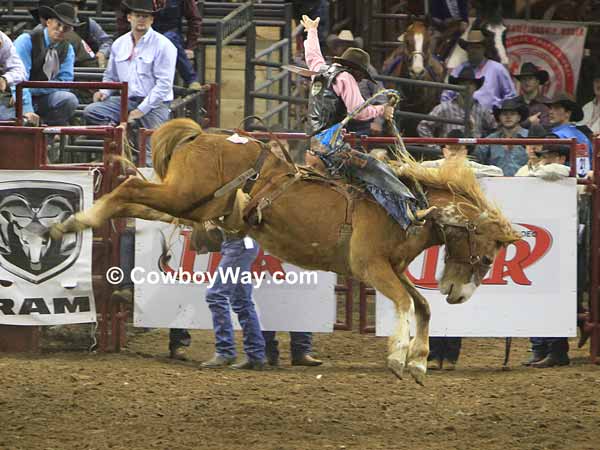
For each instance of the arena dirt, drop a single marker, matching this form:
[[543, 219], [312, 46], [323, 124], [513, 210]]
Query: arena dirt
[[139, 399]]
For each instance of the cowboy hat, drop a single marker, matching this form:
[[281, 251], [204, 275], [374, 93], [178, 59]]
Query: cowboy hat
[[531, 70], [512, 104], [63, 12], [473, 37], [357, 59], [344, 38], [467, 74], [569, 103], [458, 134], [562, 150], [138, 6]]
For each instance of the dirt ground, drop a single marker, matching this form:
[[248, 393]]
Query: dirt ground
[[139, 399]]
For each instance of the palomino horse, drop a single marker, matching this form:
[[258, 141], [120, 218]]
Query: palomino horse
[[415, 60], [316, 225]]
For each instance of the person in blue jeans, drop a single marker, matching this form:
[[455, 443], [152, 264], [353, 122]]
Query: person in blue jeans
[[226, 293], [443, 352], [300, 348]]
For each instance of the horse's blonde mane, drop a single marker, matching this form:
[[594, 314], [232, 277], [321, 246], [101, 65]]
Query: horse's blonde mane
[[456, 176]]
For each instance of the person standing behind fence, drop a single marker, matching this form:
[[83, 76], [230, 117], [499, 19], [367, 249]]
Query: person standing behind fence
[[47, 56], [498, 84], [226, 294], [168, 20], [146, 60], [482, 120], [533, 161], [12, 72], [509, 158]]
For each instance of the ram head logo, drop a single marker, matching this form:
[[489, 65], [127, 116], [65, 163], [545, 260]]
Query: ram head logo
[[26, 248]]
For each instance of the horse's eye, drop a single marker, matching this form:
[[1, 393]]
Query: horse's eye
[[486, 260]]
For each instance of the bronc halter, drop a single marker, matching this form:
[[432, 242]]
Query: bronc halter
[[479, 264]]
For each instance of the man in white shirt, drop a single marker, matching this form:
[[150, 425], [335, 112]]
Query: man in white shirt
[[146, 60], [591, 110], [12, 72]]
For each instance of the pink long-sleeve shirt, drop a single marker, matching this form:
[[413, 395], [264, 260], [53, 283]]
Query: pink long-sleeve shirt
[[345, 85]]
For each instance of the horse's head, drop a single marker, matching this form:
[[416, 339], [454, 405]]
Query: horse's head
[[417, 40], [472, 239]]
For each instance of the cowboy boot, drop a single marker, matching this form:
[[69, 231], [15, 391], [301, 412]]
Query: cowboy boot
[[306, 360]]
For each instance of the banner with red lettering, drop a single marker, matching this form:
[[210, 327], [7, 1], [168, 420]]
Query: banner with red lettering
[[171, 294], [531, 288], [556, 48]]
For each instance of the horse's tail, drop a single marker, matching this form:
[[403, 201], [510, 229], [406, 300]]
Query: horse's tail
[[167, 138]]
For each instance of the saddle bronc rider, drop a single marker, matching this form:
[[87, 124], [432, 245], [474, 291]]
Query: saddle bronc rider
[[334, 94]]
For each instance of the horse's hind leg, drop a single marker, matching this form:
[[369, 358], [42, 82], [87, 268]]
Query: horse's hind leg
[[419, 346], [382, 277]]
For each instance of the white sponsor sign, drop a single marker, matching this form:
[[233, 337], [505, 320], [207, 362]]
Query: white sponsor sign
[[557, 48], [531, 288], [44, 281], [307, 306]]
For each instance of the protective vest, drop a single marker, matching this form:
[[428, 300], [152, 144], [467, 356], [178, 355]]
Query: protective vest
[[38, 54], [325, 108]]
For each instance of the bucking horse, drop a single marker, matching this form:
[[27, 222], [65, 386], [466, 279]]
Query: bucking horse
[[315, 222]]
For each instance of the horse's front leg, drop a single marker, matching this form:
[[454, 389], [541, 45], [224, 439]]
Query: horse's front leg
[[419, 345], [382, 277]]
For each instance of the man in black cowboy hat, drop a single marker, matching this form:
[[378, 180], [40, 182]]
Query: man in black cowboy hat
[[509, 158], [531, 79], [482, 120], [498, 84], [591, 110], [47, 56], [146, 60], [564, 111], [533, 161], [90, 42]]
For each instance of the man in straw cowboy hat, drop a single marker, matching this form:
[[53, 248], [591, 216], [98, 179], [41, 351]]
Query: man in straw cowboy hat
[[48, 56], [509, 158], [146, 60], [334, 94], [531, 79], [564, 111], [498, 84]]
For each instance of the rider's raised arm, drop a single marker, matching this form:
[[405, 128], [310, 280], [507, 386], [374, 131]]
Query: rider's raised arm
[[312, 51]]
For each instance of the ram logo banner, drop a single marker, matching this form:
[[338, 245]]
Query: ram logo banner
[[44, 281], [28, 209]]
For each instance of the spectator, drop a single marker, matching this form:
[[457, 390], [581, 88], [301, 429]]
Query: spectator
[[450, 151], [236, 253], [533, 161], [337, 45], [146, 60], [482, 120], [90, 42], [47, 56], [168, 20], [591, 110], [531, 79], [508, 157], [498, 85], [563, 112], [12, 72]]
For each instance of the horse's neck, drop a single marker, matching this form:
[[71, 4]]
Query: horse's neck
[[448, 205]]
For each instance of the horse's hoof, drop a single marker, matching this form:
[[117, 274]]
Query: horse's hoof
[[417, 371], [397, 367]]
